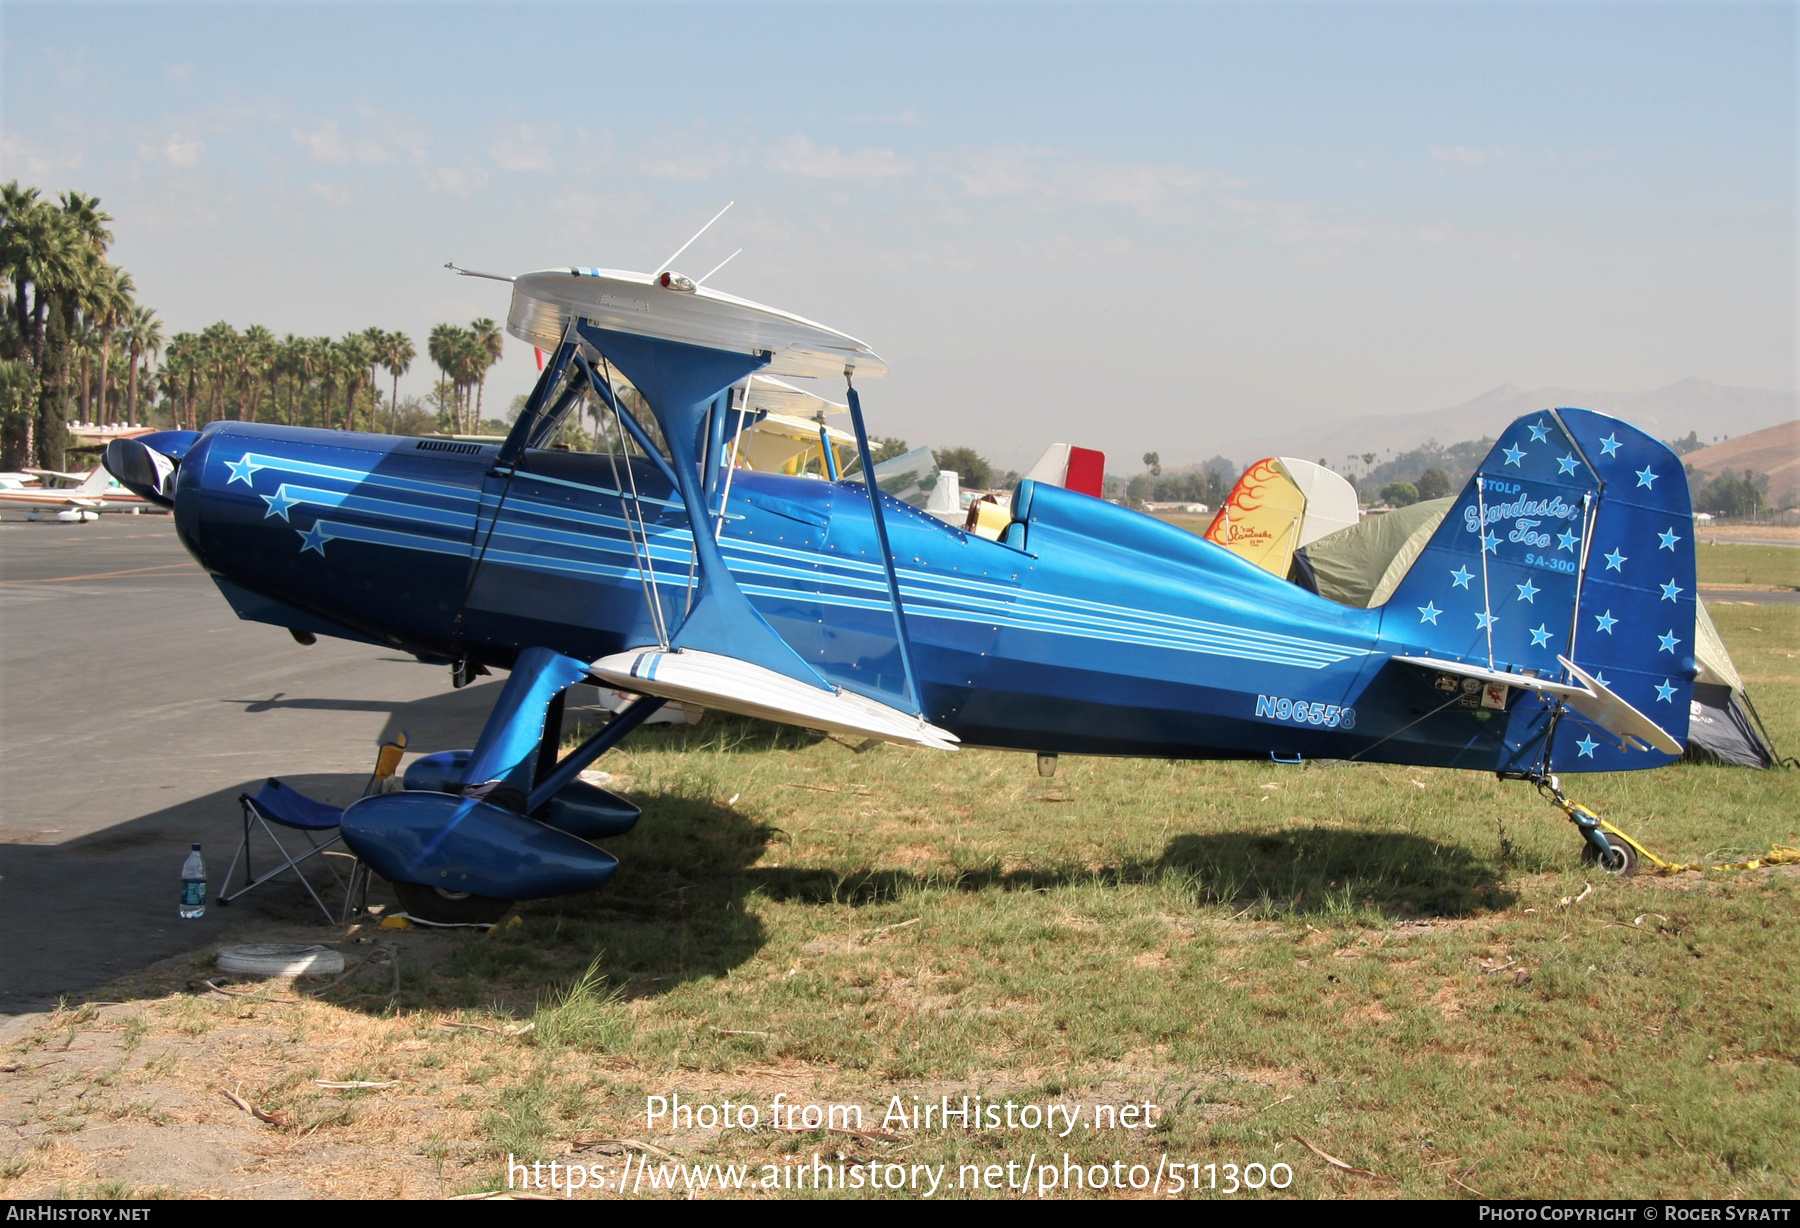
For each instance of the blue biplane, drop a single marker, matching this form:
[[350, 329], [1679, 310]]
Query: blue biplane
[[1548, 626]]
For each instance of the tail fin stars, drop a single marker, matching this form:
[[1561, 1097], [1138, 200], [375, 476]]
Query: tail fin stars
[[1571, 538]]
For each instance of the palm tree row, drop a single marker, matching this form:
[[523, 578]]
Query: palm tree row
[[84, 349], [297, 381], [66, 316]]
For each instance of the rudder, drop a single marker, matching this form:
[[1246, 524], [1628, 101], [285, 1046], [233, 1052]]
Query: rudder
[[1574, 538]]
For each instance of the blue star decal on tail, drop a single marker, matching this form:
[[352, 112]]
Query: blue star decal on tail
[[279, 503], [1610, 444], [1605, 622], [1665, 692], [1614, 560], [1565, 464], [1667, 538], [1490, 544], [242, 470], [1528, 592], [1587, 745], [1461, 577], [1484, 620], [1566, 540], [1668, 640], [1428, 613], [1539, 636], [315, 538], [1539, 433], [1514, 455], [1672, 590], [1646, 478]]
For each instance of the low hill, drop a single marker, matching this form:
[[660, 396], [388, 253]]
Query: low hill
[[1711, 410], [1774, 450]]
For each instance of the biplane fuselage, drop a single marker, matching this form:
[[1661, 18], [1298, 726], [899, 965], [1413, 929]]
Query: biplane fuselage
[[1546, 626]]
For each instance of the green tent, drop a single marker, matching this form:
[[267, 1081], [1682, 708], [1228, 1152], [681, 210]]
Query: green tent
[[1362, 565]]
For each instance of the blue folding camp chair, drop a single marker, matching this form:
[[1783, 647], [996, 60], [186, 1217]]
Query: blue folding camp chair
[[277, 805]]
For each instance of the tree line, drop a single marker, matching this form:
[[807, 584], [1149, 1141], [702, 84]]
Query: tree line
[[76, 345]]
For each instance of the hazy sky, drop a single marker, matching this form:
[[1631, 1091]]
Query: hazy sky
[[1132, 226]]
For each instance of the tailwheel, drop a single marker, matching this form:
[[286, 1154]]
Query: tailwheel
[[1620, 858], [440, 906]]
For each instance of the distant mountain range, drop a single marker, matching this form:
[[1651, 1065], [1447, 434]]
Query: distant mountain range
[[1708, 409]]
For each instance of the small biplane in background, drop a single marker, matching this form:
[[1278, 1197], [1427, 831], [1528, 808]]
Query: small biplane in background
[[1546, 627]]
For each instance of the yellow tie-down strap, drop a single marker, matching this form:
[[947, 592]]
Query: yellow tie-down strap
[[1779, 855]]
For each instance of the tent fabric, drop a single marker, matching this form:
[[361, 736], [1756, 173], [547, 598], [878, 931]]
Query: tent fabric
[[1361, 565], [1330, 499], [1719, 730], [1710, 655]]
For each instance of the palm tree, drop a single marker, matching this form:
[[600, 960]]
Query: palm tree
[[440, 348], [112, 306], [84, 344], [356, 357], [143, 340], [217, 353], [397, 356], [257, 361], [180, 375], [491, 340]]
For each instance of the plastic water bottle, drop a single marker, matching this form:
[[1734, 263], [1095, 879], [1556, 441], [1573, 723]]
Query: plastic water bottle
[[193, 886]]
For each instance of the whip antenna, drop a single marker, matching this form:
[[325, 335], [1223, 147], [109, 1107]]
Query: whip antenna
[[663, 267]]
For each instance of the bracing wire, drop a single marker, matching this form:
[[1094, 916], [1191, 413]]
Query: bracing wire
[[634, 521]]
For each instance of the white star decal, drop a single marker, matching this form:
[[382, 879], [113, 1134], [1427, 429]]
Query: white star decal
[[314, 538]]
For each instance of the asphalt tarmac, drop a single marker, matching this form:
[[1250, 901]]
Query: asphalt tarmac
[[134, 708]]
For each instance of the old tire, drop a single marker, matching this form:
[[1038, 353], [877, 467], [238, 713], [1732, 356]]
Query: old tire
[[436, 906], [1621, 860]]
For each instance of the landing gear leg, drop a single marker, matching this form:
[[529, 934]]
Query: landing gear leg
[[1611, 854]]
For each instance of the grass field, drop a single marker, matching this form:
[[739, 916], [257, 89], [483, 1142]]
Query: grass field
[[1730, 563], [1409, 969]]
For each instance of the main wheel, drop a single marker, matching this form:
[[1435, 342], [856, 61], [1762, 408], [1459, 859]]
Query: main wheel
[[435, 905], [1621, 859]]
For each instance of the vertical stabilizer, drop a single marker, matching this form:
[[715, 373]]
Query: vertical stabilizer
[[1573, 539]]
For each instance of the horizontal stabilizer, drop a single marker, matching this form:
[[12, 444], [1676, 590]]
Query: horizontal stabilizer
[[730, 685], [1592, 698]]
